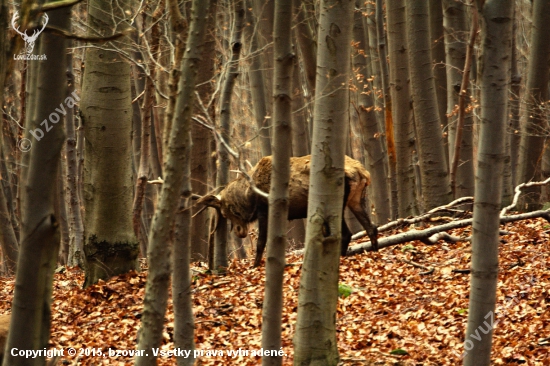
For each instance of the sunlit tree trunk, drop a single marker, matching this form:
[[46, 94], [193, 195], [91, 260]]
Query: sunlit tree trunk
[[494, 79], [316, 323]]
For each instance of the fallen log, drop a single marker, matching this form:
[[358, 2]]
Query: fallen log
[[425, 234]]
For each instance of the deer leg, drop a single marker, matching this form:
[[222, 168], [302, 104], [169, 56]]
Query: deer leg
[[262, 237], [356, 203], [346, 237]]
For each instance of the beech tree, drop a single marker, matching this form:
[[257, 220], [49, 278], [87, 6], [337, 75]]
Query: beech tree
[[534, 118], [494, 78], [110, 246], [319, 280], [436, 190], [30, 313]]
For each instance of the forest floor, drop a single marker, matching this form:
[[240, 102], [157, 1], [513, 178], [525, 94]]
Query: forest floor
[[395, 315]]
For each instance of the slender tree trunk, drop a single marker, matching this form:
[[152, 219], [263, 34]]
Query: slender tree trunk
[[30, 325], [400, 95], [316, 323], [201, 139], [534, 111], [433, 163], [388, 117], [372, 140], [76, 232], [278, 194], [263, 12], [305, 36], [438, 56], [496, 42], [456, 42], [220, 251], [257, 87], [177, 172], [376, 76], [514, 128]]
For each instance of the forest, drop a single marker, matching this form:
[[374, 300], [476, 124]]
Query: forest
[[274, 182]]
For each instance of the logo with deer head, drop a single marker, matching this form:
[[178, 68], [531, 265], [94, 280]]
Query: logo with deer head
[[29, 40]]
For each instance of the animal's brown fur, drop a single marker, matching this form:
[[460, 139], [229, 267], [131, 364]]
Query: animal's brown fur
[[241, 205]]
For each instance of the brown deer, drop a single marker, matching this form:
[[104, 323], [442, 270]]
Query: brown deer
[[241, 205]]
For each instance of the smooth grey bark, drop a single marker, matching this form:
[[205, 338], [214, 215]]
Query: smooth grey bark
[[318, 296], [177, 167], [110, 245], [371, 134], [272, 310], [429, 140], [222, 178], [494, 79], [456, 39], [257, 87], [30, 313], [534, 118], [401, 106]]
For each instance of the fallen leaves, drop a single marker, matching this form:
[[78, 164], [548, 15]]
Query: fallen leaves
[[390, 307]]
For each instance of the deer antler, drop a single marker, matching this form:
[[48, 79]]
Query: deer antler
[[35, 34], [15, 27]]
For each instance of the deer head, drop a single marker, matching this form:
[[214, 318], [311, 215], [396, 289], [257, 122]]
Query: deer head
[[29, 40]]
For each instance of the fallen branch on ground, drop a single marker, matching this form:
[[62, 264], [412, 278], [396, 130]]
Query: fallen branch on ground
[[425, 234]]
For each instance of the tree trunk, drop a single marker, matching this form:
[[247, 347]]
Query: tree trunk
[[305, 37], [220, 250], [494, 79], [177, 167], [30, 315], [401, 113], [110, 244], [534, 112], [372, 140], [456, 39], [316, 322], [200, 153], [76, 232], [388, 118], [429, 140], [272, 311], [257, 87], [438, 56]]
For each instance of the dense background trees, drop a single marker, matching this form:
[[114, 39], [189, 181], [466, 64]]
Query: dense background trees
[[406, 87]]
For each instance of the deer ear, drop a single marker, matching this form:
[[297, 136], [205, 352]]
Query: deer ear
[[211, 201]]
